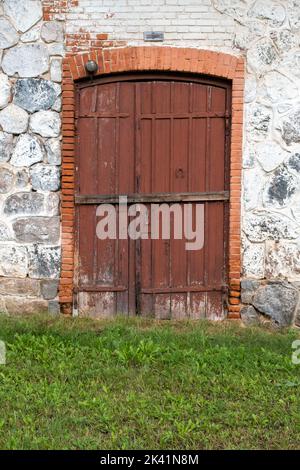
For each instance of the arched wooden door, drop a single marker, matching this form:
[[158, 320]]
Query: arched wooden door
[[155, 138]]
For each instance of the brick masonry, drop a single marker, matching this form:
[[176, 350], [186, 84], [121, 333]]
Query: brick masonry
[[199, 36]]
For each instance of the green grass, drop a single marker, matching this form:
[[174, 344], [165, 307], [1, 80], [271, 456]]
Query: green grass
[[140, 384]]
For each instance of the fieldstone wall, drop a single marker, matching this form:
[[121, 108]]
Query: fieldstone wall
[[265, 32], [30, 103]]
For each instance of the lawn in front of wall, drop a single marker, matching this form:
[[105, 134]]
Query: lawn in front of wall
[[141, 384]]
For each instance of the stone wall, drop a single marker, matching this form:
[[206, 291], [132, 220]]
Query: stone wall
[[30, 104], [268, 34], [265, 32]]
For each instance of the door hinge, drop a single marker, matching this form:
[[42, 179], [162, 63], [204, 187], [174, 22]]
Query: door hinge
[[75, 303], [227, 126], [138, 182]]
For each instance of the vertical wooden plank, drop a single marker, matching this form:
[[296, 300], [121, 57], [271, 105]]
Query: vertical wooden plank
[[87, 101], [162, 306], [197, 182], [160, 183], [145, 153], [215, 263], [87, 146], [126, 181], [146, 93], [180, 97], [199, 98], [146, 130], [218, 99], [216, 178], [179, 306], [197, 158], [162, 154], [86, 242], [125, 156], [179, 183], [106, 147], [145, 187], [161, 97], [198, 304], [216, 182], [214, 306], [106, 156], [107, 98], [97, 304]]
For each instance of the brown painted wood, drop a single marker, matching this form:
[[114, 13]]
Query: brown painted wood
[[153, 198], [155, 138]]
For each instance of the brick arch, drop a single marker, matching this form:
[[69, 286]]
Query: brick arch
[[148, 58]]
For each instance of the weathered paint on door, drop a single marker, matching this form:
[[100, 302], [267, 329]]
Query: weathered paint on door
[[153, 138]]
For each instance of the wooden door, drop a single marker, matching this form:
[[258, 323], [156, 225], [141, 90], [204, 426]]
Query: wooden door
[[156, 139]]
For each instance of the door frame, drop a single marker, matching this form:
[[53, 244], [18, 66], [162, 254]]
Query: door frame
[[151, 59]]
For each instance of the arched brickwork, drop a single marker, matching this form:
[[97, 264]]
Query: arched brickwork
[[151, 59]]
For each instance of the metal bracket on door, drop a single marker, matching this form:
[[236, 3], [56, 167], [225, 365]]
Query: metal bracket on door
[[152, 198], [75, 304]]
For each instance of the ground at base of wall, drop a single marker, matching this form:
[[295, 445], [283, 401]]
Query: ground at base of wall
[[272, 301], [140, 384], [275, 302], [19, 296]]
